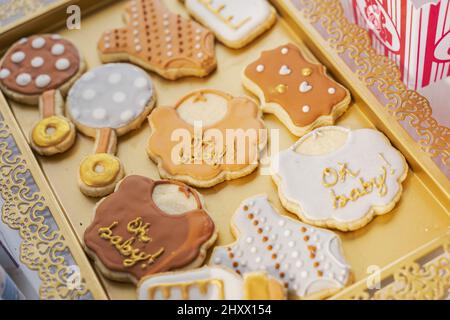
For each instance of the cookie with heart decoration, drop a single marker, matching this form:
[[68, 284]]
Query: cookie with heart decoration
[[307, 260], [296, 91], [160, 41], [147, 227]]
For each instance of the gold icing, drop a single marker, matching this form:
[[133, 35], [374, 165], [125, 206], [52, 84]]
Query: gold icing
[[306, 72], [50, 131], [228, 20], [202, 285], [257, 286], [125, 247], [281, 88], [90, 176]]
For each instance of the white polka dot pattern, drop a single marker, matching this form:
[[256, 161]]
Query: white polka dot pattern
[[110, 96]]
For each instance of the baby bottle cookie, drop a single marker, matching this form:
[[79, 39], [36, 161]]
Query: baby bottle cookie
[[340, 178], [210, 283], [160, 41], [307, 260], [40, 70], [206, 138], [107, 102], [235, 23], [297, 92], [147, 227]]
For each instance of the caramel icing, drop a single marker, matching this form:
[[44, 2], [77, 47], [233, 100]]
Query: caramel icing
[[103, 141], [174, 241], [34, 65], [160, 40], [48, 107], [241, 113], [301, 88]]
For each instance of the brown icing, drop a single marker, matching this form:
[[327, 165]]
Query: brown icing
[[284, 89], [179, 236], [48, 107], [160, 39], [103, 140], [242, 113], [58, 77]]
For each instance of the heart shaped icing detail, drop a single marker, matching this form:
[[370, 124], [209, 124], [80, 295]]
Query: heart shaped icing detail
[[305, 87], [284, 70]]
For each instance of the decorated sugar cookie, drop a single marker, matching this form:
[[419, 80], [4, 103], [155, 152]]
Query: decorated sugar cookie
[[210, 283], [107, 102], [340, 178], [160, 41], [234, 22], [147, 227], [298, 92], [40, 70], [306, 259], [207, 137]]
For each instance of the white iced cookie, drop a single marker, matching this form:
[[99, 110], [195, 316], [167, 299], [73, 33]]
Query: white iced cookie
[[210, 283], [110, 96], [340, 178], [306, 259], [234, 22]]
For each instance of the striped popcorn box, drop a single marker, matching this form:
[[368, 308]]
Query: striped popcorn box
[[413, 33]]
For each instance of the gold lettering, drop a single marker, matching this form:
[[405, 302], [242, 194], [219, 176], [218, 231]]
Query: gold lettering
[[138, 228]]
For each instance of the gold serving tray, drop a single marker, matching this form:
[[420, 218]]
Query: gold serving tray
[[419, 218]]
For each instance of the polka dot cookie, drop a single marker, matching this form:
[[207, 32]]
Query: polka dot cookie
[[160, 41], [106, 102], [298, 92], [40, 70], [306, 259]]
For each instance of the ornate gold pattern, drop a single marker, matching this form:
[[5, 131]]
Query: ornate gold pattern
[[381, 75], [13, 10], [43, 248]]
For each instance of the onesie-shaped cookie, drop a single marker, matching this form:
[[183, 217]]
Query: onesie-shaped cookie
[[208, 137], [40, 70], [147, 227], [340, 178], [298, 92], [160, 41], [107, 102], [210, 283], [307, 260], [234, 22]]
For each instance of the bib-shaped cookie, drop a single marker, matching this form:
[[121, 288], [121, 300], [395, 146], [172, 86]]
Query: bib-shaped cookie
[[208, 137], [234, 22], [340, 178], [40, 70], [147, 227], [298, 92], [106, 102], [210, 283], [160, 41], [307, 260]]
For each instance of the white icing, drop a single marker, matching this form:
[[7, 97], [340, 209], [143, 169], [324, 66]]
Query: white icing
[[37, 62], [331, 90], [284, 50], [363, 152], [56, 37], [38, 43], [18, 56], [62, 64], [99, 114], [260, 68], [306, 108], [305, 87], [4, 73], [253, 13], [23, 79], [121, 89], [43, 80], [233, 284], [285, 70], [23, 40], [58, 49], [297, 265]]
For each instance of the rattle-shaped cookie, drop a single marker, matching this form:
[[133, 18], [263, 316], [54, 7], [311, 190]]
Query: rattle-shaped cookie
[[207, 138], [107, 102], [146, 227], [296, 91], [160, 41], [306, 259], [40, 70], [210, 283]]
